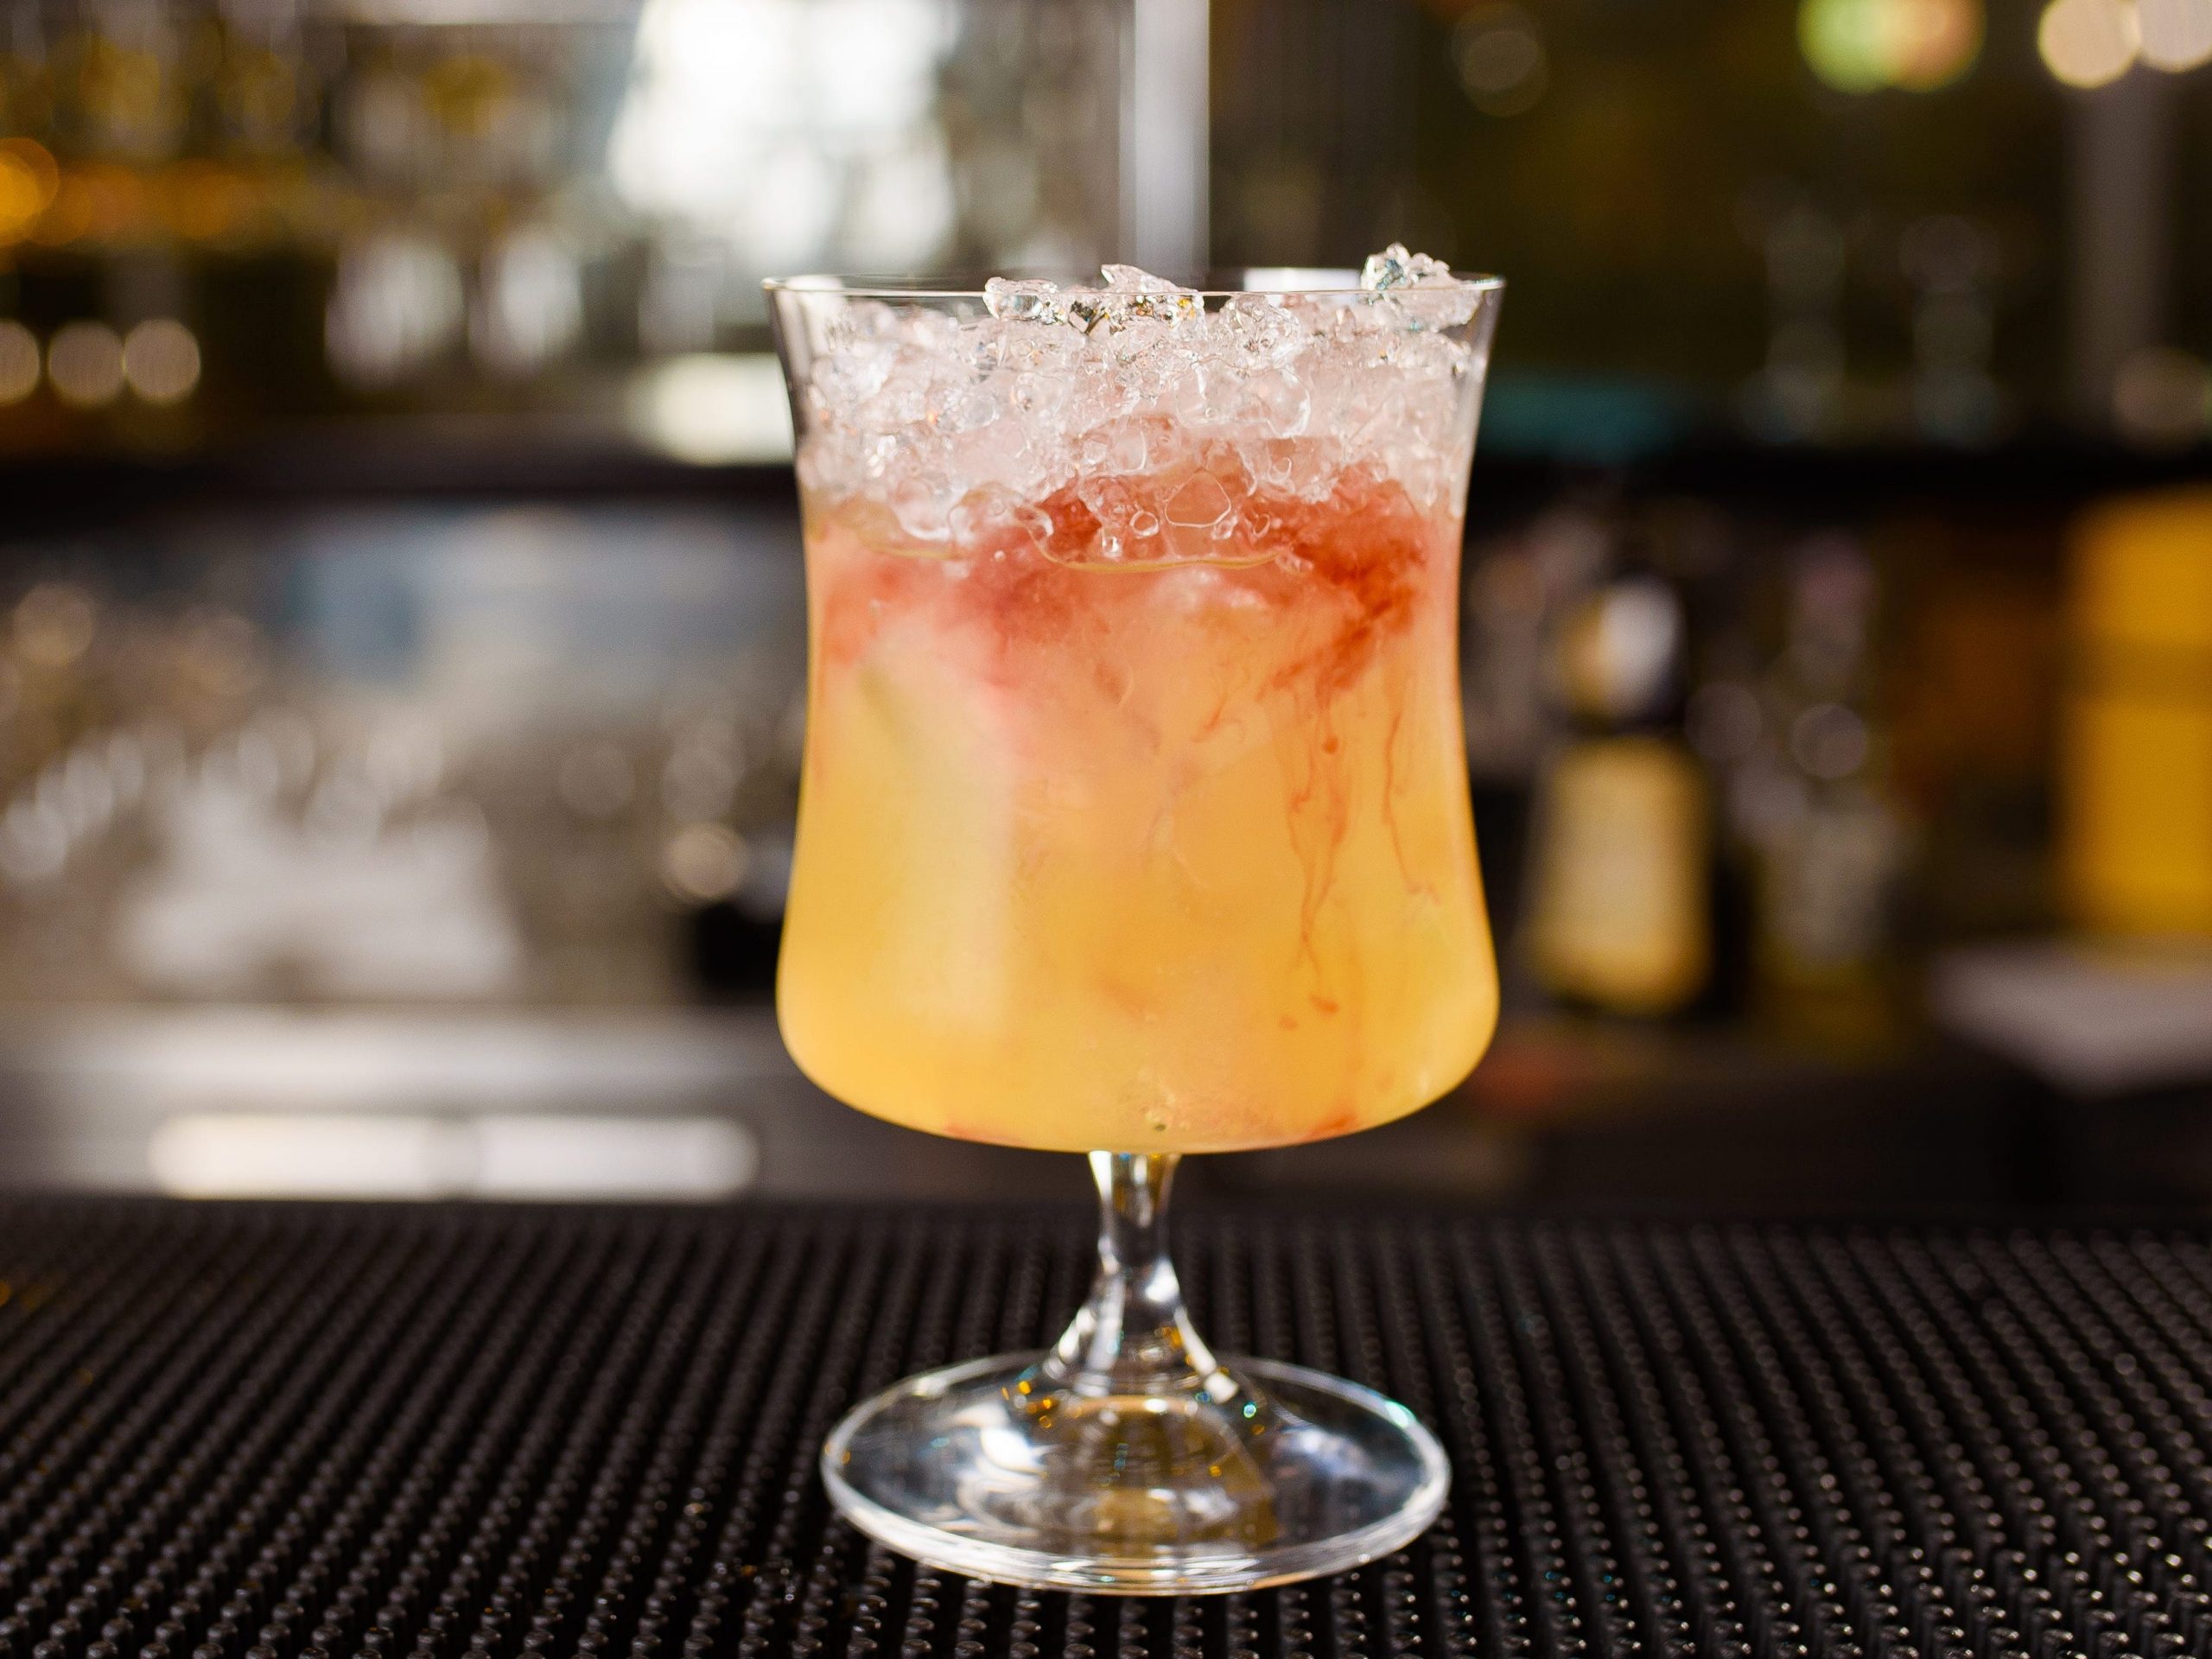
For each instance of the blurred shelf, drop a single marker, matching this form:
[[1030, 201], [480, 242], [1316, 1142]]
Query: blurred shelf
[[582, 1101], [1573, 1112], [579, 458], [1561, 1111], [449, 457], [2032, 471]]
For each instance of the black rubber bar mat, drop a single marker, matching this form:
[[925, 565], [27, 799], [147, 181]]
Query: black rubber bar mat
[[234, 1431]]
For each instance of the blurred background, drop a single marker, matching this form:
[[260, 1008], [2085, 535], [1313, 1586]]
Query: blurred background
[[401, 612]]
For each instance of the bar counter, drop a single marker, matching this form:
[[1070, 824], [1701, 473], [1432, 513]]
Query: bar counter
[[242, 1431]]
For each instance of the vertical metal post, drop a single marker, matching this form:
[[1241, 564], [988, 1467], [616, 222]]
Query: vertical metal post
[[2120, 180], [1164, 111]]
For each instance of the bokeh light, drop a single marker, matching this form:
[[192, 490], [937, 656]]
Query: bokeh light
[[54, 624], [1499, 53], [1933, 43], [2089, 42], [19, 361], [1869, 46], [28, 179], [161, 360], [704, 862], [735, 124], [201, 201], [712, 409], [1841, 40], [2162, 398], [398, 304], [85, 362], [97, 201], [530, 305], [2177, 34]]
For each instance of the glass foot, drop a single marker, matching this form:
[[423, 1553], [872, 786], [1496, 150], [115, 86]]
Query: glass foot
[[1001, 1469]]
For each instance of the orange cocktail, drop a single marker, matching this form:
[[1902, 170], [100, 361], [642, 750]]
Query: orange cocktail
[[1134, 822], [1135, 805]]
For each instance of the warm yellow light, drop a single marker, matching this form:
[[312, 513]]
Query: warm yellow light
[[2089, 42], [161, 360], [22, 191], [85, 362], [1865, 46], [201, 200], [19, 362], [2177, 34], [27, 179], [94, 200]]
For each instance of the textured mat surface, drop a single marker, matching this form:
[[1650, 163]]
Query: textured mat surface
[[240, 1432]]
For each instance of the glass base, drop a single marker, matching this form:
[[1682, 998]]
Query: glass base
[[1269, 1473]]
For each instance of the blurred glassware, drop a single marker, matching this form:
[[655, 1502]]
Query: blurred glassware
[[1799, 393], [1951, 263], [1808, 798], [402, 756]]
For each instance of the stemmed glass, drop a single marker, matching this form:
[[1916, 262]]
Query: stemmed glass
[[1134, 821]]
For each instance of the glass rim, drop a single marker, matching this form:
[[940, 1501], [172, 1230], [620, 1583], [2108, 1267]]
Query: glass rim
[[1305, 282]]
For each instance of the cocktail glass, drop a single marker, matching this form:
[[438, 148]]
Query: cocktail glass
[[1134, 821]]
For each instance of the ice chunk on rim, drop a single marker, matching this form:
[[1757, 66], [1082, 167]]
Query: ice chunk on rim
[[1137, 278], [1012, 300], [1131, 296], [1424, 289], [1396, 268]]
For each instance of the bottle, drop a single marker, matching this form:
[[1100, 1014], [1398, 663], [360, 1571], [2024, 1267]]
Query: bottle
[[1621, 891]]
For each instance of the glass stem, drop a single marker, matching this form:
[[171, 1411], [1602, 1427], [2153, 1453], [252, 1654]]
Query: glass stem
[[1133, 1335]]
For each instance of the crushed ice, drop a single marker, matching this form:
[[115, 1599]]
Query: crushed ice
[[1165, 418], [1423, 288]]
